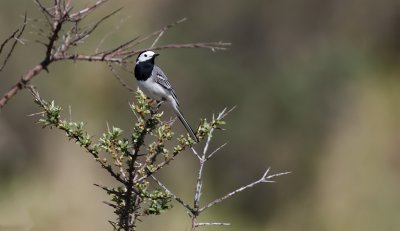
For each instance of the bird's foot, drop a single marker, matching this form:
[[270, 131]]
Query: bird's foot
[[159, 104], [154, 109]]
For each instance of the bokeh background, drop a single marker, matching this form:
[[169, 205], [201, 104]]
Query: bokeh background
[[317, 89]]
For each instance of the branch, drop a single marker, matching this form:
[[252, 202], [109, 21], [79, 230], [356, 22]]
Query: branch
[[123, 57], [50, 110], [89, 58], [44, 10], [213, 46], [34, 71], [20, 84], [108, 190], [86, 33], [196, 153], [116, 49], [118, 77], [203, 158], [84, 12], [161, 32], [212, 223], [199, 184], [178, 199], [215, 151], [8, 39], [56, 27], [185, 143], [264, 179], [16, 38], [116, 28], [158, 32], [157, 168]]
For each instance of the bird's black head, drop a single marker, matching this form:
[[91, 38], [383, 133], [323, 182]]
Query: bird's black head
[[146, 56]]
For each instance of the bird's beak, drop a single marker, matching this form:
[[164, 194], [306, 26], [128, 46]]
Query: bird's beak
[[155, 55]]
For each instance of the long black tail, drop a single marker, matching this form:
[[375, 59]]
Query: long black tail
[[185, 123]]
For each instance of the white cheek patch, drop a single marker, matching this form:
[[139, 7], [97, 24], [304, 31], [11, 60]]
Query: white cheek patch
[[145, 56]]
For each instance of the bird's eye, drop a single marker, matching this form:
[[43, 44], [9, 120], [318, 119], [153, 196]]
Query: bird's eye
[[145, 55]]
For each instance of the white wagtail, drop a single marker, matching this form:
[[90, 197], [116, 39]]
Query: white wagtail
[[154, 83]]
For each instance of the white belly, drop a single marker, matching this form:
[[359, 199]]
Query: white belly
[[153, 90]]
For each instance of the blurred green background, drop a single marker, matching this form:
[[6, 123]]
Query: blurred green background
[[317, 89]]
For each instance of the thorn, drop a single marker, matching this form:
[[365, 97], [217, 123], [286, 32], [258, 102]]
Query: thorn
[[266, 173], [38, 113]]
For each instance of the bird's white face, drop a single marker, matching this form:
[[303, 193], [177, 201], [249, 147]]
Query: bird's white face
[[145, 56]]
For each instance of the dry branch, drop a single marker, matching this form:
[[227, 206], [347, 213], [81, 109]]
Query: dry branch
[[264, 179], [59, 42], [212, 223], [203, 157], [16, 36], [178, 199]]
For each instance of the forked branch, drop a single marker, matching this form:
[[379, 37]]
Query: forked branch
[[264, 179]]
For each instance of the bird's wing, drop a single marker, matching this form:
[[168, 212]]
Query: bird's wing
[[162, 79]]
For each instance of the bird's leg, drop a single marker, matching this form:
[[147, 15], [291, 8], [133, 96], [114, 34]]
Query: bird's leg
[[151, 101], [155, 105], [159, 104]]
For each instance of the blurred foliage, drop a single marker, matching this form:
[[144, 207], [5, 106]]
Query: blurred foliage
[[317, 89]]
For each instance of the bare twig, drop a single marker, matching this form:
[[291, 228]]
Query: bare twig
[[16, 37], [108, 190], [203, 157], [156, 169], [196, 153], [161, 32], [155, 33], [215, 151], [44, 10], [212, 224], [199, 184], [123, 57], [178, 199], [7, 40], [264, 179], [84, 12], [126, 48], [156, 40], [213, 46], [116, 75], [84, 34], [36, 30], [116, 28], [116, 49]]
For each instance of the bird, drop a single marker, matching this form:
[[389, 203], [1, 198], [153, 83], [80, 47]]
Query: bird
[[155, 84]]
